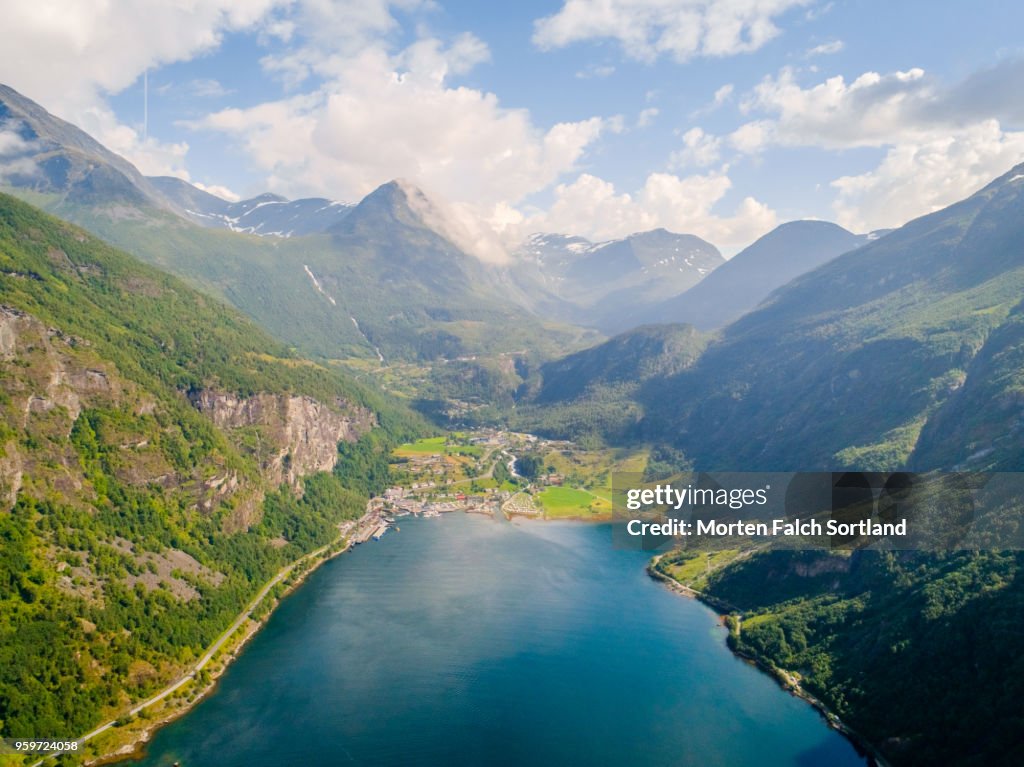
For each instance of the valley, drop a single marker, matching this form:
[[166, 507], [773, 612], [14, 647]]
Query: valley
[[204, 400], [511, 474]]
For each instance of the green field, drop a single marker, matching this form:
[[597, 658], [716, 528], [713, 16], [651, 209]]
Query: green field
[[436, 446], [566, 502], [425, 446], [472, 450]]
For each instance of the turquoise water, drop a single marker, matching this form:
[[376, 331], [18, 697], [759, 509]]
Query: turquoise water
[[463, 640]]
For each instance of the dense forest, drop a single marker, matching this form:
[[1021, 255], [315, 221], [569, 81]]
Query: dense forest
[[920, 654]]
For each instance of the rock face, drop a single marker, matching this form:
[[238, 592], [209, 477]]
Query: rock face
[[46, 379], [56, 377], [295, 436]]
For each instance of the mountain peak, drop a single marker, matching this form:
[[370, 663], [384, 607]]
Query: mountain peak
[[396, 202], [777, 257]]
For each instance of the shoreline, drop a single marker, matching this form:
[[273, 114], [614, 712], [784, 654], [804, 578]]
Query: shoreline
[[223, 655], [781, 676]]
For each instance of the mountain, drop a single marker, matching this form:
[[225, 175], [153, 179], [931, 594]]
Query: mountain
[[592, 392], [416, 293], [378, 281], [629, 358], [858, 362], [607, 284], [742, 282], [268, 215], [46, 154], [160, 459]]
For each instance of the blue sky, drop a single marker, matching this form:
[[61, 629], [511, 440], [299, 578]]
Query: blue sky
[[718, 117]]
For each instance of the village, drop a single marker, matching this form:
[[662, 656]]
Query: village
[[497, 473]]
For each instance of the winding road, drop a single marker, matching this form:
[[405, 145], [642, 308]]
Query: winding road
[[217, 645]]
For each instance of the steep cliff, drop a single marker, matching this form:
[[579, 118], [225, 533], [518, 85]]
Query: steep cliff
[[294, 435]]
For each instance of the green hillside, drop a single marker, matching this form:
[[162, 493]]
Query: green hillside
[[593, 393], [382, 282], [849, 364], [132, 527], [919, 654]]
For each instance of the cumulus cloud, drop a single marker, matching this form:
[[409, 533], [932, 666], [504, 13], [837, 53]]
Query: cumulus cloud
[[396, 115], [678, 203], [324, 34], [699, 149], [648, 29], [940, 142], [102, 47], [92, 49], [920, 177]]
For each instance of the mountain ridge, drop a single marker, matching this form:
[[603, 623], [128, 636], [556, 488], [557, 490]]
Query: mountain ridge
[[606, 284], [265, 215], [747, 278]]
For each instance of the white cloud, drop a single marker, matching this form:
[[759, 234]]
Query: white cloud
[[699, 149], [217, 190], [396, 116], [872, 110], [325, 34], [940, 142], [12, 143], [916, 178], [750, 137], [91, 48], [646, 117], [13, 151], [722, 96], [825, 49], [593, 207], [682, 29], [70, 56]]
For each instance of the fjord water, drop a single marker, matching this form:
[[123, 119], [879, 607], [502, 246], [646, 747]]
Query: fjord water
[[464, 640]]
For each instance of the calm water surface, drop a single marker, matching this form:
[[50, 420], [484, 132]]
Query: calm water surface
[[463, 640]]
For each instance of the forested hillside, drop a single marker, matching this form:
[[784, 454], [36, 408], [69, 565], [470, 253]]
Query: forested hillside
[[848, 365], [160, 459], [919, 654]]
